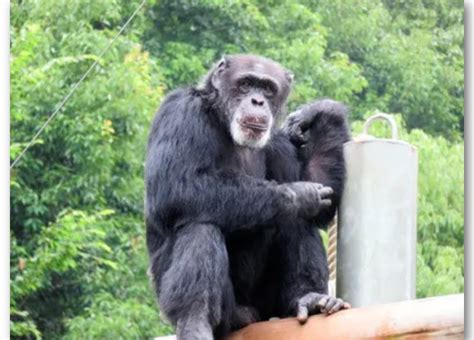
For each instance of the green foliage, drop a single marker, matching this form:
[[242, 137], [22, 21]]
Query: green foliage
[[75, 235], [121, 303], [89, 159], [109, 318], [75, 241], [411, 53], [77, 269]]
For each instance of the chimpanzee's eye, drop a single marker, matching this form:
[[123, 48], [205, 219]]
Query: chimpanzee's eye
[[268, 91], [245, 86]]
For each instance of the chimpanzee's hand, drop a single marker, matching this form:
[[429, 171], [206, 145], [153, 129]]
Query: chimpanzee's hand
[[307, 198], [313, 303], [299, 122]]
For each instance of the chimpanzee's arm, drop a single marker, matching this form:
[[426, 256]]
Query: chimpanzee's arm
[[185, 183], [282, 159], [319, 131]]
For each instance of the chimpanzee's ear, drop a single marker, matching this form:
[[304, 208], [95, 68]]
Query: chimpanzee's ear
[[289, 76], [217, 73]]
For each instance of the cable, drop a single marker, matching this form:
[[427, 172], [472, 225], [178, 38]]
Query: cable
[[64, 101]]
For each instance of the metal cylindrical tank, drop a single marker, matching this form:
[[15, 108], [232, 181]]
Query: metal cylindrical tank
[[376, 238]]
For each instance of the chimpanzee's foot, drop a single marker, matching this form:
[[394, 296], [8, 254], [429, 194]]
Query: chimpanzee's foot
[[313, 303]]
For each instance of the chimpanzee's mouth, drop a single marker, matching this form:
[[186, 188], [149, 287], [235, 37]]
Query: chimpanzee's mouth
[[258, 128]]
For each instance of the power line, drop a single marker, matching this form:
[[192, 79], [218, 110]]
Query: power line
[[74, 88]]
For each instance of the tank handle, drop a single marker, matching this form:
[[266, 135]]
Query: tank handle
[[381, 116]]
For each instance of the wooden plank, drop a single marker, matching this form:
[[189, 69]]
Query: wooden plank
[[438, 317]]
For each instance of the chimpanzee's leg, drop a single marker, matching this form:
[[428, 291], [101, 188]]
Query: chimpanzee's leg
[[303, 272], [195, 292]]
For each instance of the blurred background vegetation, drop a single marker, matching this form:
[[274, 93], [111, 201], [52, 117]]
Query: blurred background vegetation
[[78, 257]]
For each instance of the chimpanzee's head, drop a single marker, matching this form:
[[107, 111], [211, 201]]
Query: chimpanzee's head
[[251, 92]]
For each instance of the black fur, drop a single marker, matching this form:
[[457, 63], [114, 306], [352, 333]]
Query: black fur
[[226, 246]]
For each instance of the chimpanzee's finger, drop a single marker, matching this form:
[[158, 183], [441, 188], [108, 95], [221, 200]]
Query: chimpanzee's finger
[[332, 301], [326, 203], [302, 315], [326, 191], [338, 305], [296, 135], [321, 302]]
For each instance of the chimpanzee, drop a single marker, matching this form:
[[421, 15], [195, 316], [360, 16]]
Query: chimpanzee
[[233, 203]]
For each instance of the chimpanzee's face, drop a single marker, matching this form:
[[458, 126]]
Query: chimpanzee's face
[[253, 90]]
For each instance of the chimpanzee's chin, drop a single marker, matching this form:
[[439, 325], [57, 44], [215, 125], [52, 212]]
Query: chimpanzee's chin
[[250, 139]]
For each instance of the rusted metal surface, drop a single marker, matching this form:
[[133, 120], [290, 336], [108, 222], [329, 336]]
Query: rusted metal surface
[[432, 318]]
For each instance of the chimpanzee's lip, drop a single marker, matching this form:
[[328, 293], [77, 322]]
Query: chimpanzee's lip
[[255, 126]]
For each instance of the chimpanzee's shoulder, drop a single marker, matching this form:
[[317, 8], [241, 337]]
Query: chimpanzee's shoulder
[[179, 102], [181, 94]]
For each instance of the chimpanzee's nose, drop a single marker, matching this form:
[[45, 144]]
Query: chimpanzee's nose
[[258, 101]]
